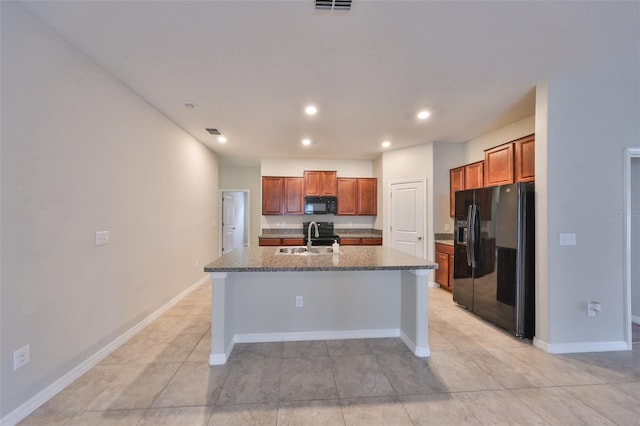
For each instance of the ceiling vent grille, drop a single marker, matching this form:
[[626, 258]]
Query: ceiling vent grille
[[333, 4], [213, 131]]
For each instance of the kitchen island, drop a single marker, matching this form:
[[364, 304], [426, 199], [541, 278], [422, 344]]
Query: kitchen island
[[259, 295]]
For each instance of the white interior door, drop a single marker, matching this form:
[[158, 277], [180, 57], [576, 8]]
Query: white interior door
[[233, 229], [407, 217]]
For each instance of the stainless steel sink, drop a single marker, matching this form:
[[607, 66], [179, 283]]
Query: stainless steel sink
[[303, 251]]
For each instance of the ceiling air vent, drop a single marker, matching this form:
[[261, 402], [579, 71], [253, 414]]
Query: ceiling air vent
[[333, 4], [213, 131]]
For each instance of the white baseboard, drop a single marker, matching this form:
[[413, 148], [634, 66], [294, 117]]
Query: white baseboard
[[315, 335], [221, 358], [50, 391], [433, 284], [579, 347], [635, 319], [419, 351]]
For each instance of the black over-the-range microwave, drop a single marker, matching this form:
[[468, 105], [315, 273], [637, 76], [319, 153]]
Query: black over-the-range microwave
[[320, 205]]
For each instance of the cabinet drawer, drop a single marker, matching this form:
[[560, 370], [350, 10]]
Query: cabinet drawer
[[293, 241], [371, 241], [269, 242], [350, 241]]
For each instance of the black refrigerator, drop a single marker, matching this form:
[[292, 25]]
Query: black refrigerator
[[494, 259]]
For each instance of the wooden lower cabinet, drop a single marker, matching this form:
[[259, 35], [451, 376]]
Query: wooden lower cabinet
[[280, 241], [350, 241], [269, 241], [444, 259], [371, 241], [364, 241]]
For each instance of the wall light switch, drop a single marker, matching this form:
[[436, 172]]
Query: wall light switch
[[567, 239], [102, 238]]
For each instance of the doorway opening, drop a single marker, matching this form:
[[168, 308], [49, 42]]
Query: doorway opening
[[234, 223], [632, 245]]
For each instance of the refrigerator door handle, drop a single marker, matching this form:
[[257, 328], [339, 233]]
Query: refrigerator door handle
[[469, 235], [472, 232]]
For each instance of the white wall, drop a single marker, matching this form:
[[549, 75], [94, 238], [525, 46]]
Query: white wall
[[475, 147], [246, 178], [296, 167], [635, 237], [592, 115], [81, 153], [409, 163]]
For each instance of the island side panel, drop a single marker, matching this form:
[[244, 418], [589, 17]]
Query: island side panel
[[337, 304], [221, 318], [414, 308]]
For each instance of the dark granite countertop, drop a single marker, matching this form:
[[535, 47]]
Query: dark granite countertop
[[352, 258]]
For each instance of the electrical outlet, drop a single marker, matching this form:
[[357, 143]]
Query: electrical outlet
[[593, 308], [21, 357], [446, 227], [299, 301], [567, 239], [102, 238]]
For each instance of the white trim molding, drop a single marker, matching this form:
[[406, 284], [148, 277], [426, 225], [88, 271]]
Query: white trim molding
[[580, 347], [629, 154], [50, 391]]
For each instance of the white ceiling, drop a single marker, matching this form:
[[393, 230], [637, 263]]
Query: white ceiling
[[252, 66]]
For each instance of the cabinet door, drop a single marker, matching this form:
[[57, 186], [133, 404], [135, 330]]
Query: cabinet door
[[498, 165], [293, 199], [442, 273], [456, 183], [525, 166], [320, 183], [272, 195], [474, 175], [367, 196], [347, 190]]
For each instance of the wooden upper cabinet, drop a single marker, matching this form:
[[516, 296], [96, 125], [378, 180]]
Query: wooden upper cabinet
[[498, 165], [367, 196], [358, 196], [525, 166], [272, 193], [347, 190], [282, 195], [293, 195], [320, 183], [456, 183], [474, 175]]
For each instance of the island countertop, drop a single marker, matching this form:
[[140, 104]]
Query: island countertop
[[352, 258]]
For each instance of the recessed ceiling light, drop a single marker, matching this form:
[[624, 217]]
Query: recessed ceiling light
[[386, 144], [311, 110], [306, 141], [424, 114], [222, 139], [190, 105]]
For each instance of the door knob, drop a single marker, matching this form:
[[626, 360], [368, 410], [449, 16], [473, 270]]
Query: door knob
[[419, 238]]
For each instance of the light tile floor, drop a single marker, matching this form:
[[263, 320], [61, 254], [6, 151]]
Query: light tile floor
[[477, 375]]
